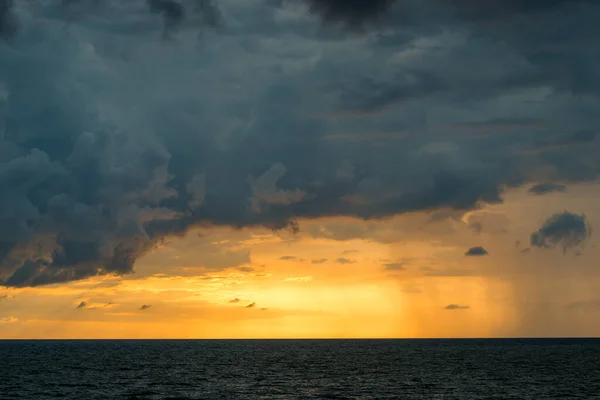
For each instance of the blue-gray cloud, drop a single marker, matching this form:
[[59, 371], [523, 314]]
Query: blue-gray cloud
[[547, 187], [565, 230], [351, 12], [476, 251], [112, 140], [8, 23]]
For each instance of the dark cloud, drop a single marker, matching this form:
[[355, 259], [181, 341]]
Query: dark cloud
[[354, 13], [83, 304], [343, 260], [501, 9], [548, 187], [174, 13], [251, 305], [3, 297], [236, 300], [288, 258], [476, 251], [145, 306], [245, 269], [350, 251], [452, 307], [398, 266], [8, 22], [260, 128], [319, 261], [578, 138], [565, 230], [171, 10]]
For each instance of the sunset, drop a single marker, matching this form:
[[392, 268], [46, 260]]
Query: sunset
[[407, 276], [414, 183]]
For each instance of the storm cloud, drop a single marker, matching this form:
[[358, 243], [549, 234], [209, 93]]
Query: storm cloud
[[352, 12], [8, 23], [112, 140]]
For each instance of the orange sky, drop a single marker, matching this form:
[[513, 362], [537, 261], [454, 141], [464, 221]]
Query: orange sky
[[337, 278]]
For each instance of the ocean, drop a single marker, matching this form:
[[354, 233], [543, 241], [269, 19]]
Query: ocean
[[301, 369]]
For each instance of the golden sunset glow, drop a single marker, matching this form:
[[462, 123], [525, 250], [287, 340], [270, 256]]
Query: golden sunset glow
[[336, 278]]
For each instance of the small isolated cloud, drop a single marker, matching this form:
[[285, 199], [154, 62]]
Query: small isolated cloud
[[299, 279], [565, 230], [83, 304], [546, 188], [288, 258], [8, 320], [145, 306], [452, 307], [233, 301], [319, 261], [245, 269], [343, 260], [264, 309], [396, 266], [93, 306], [476, 251], [251, 305], [350, 251]]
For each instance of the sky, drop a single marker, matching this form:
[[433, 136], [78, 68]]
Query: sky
[[299, 168]]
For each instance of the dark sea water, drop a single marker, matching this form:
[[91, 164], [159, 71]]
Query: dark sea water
[[301, 369]]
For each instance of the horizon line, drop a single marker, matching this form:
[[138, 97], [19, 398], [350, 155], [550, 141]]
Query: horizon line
[[309, 339]]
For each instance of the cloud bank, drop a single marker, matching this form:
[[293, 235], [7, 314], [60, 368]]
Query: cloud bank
[[112, 139]]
